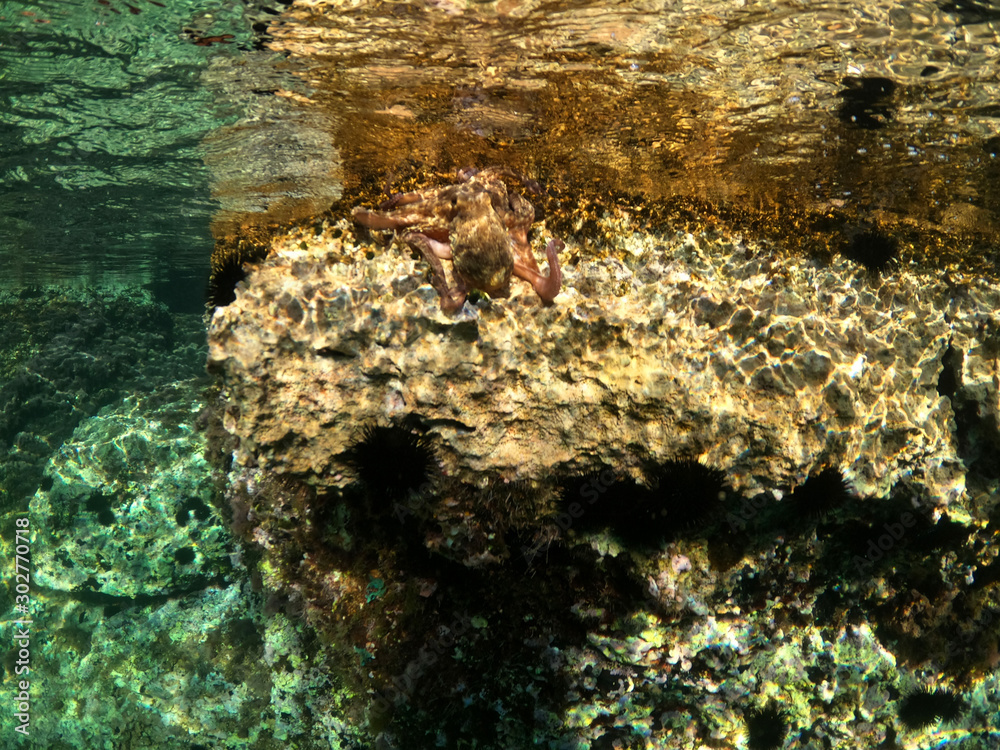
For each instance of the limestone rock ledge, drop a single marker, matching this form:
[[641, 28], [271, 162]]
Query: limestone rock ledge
[[679, 346]]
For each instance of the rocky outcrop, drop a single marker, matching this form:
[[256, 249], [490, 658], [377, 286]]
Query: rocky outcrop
[[676, 346]]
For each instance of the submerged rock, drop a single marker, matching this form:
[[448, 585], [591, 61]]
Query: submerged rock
[[763, 366], [126, 513], [510, 569]]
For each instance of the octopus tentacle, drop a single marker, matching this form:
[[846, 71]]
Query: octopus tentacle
[[375, 220], [546, 287], [452, 298]]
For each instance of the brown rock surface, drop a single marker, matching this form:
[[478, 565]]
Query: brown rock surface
[[687, 346]]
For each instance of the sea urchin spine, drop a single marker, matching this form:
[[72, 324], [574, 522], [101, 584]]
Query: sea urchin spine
[[391, 461], [766, 728], [923, 708]]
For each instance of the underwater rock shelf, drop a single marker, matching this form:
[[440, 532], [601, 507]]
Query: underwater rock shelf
[[683, 346]]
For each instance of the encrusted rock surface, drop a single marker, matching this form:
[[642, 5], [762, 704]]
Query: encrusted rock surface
[[616, 624], [127, 508], [763, 365], [65, 354]]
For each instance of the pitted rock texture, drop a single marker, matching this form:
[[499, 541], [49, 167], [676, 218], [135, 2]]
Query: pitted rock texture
[[127, 512], [762, 365]]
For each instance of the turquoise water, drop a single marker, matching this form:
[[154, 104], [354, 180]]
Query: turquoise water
[[105, 209], [101, 164]]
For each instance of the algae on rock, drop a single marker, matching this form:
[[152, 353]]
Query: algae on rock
[[764, 366]]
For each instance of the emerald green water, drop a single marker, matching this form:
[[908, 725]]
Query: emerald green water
[[102, 112], [105, 207]]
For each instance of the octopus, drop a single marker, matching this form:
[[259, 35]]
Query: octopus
[[477, 224]]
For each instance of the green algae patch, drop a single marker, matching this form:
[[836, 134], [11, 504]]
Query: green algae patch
[[129, 511]]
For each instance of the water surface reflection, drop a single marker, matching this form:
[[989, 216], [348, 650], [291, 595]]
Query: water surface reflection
[[869, 112]]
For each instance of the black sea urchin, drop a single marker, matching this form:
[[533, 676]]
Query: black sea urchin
[[821, 493], [766, 728], [391, 461], [874, 249], [688, 494], [923, 708], [683, 496], [227, 271]]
